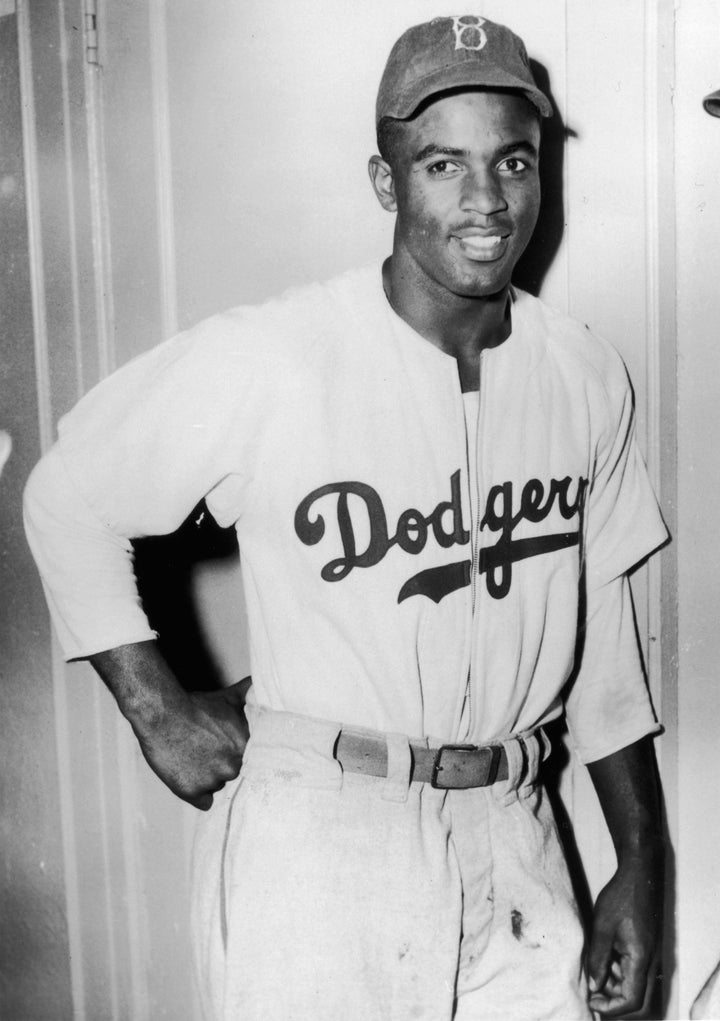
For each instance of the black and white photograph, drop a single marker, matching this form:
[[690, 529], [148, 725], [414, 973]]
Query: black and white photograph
[[359, 486]]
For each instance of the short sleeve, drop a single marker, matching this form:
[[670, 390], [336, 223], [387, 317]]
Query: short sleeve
[[86, 570], [608, 706], [133, 458], [623, 521], [154, 438]]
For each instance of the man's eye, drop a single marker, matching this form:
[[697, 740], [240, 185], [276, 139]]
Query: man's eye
[[513, 165], [442, 167]]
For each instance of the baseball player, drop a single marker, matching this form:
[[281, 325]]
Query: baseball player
[[438, 495]]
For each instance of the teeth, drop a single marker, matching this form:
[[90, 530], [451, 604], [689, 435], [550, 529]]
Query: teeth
[[478, 243], [481, 247]]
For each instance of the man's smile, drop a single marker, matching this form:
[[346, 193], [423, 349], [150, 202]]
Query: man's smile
[[481, 245]]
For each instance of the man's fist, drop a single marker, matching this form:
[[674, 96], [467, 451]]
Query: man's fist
[[197, 744]]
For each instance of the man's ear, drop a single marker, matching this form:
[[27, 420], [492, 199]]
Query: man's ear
[[381, 177]]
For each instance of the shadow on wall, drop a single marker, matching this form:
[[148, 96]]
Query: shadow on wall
[[542, 249], [165, 567]]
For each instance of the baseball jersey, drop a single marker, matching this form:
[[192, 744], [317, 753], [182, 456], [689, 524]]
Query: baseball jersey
[[333, 438]]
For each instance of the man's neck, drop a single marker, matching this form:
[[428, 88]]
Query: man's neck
[[456, 324]]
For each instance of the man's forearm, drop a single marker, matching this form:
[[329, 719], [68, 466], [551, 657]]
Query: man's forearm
[[628, 912], [628, 788], [144, 686], [194, 742]]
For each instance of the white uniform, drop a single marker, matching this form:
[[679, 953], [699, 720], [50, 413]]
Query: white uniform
[[333, 437]]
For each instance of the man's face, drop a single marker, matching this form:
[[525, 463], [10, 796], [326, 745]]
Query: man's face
[[466, 189]]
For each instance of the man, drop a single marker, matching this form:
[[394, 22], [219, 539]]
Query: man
[[433, 479]]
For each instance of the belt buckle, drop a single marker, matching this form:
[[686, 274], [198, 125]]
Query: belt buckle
[[455, 779]]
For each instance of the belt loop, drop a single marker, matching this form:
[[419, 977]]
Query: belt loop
[[399, 766], [545, 742], [506, 791], [532, 750]]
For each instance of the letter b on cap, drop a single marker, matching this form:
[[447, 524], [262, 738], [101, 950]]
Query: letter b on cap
[[468, 33]]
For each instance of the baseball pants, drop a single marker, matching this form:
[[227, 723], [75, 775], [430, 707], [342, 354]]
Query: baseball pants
[[320, 895]]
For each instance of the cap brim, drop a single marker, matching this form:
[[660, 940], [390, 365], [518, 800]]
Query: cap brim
[[468, 74]]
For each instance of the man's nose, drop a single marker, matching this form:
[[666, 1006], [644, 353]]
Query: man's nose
[[482, 193]]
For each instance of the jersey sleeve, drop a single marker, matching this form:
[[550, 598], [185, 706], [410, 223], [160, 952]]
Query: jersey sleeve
[[150, 441], [86, 569], [608, 706], [133, 458], [623, 522]]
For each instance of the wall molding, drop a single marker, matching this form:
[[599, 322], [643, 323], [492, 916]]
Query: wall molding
[[32, 190], [102, 253], [163, 168], [46, 432], [661, 423]]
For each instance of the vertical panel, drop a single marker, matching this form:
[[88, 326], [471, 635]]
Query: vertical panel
[[129, 164], [606, 176], [148, 822], [98, 347], [698, 321], [100, 298], [35, 975], [661, 423], [70, 263], [163, 166]]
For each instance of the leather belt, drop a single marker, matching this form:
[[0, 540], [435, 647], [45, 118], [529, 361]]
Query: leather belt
[[449, 767]]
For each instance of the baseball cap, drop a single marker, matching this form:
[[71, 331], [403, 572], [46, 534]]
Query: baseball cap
[[448, 53]]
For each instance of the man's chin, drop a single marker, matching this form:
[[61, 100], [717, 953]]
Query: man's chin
[[488, 289], [470, 279]]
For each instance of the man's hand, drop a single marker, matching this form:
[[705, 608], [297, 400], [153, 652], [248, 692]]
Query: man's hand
[[199, 743], [625, 934], [628, 913], [195, 743]]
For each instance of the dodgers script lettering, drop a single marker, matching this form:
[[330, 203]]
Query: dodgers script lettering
[[445, 524]]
